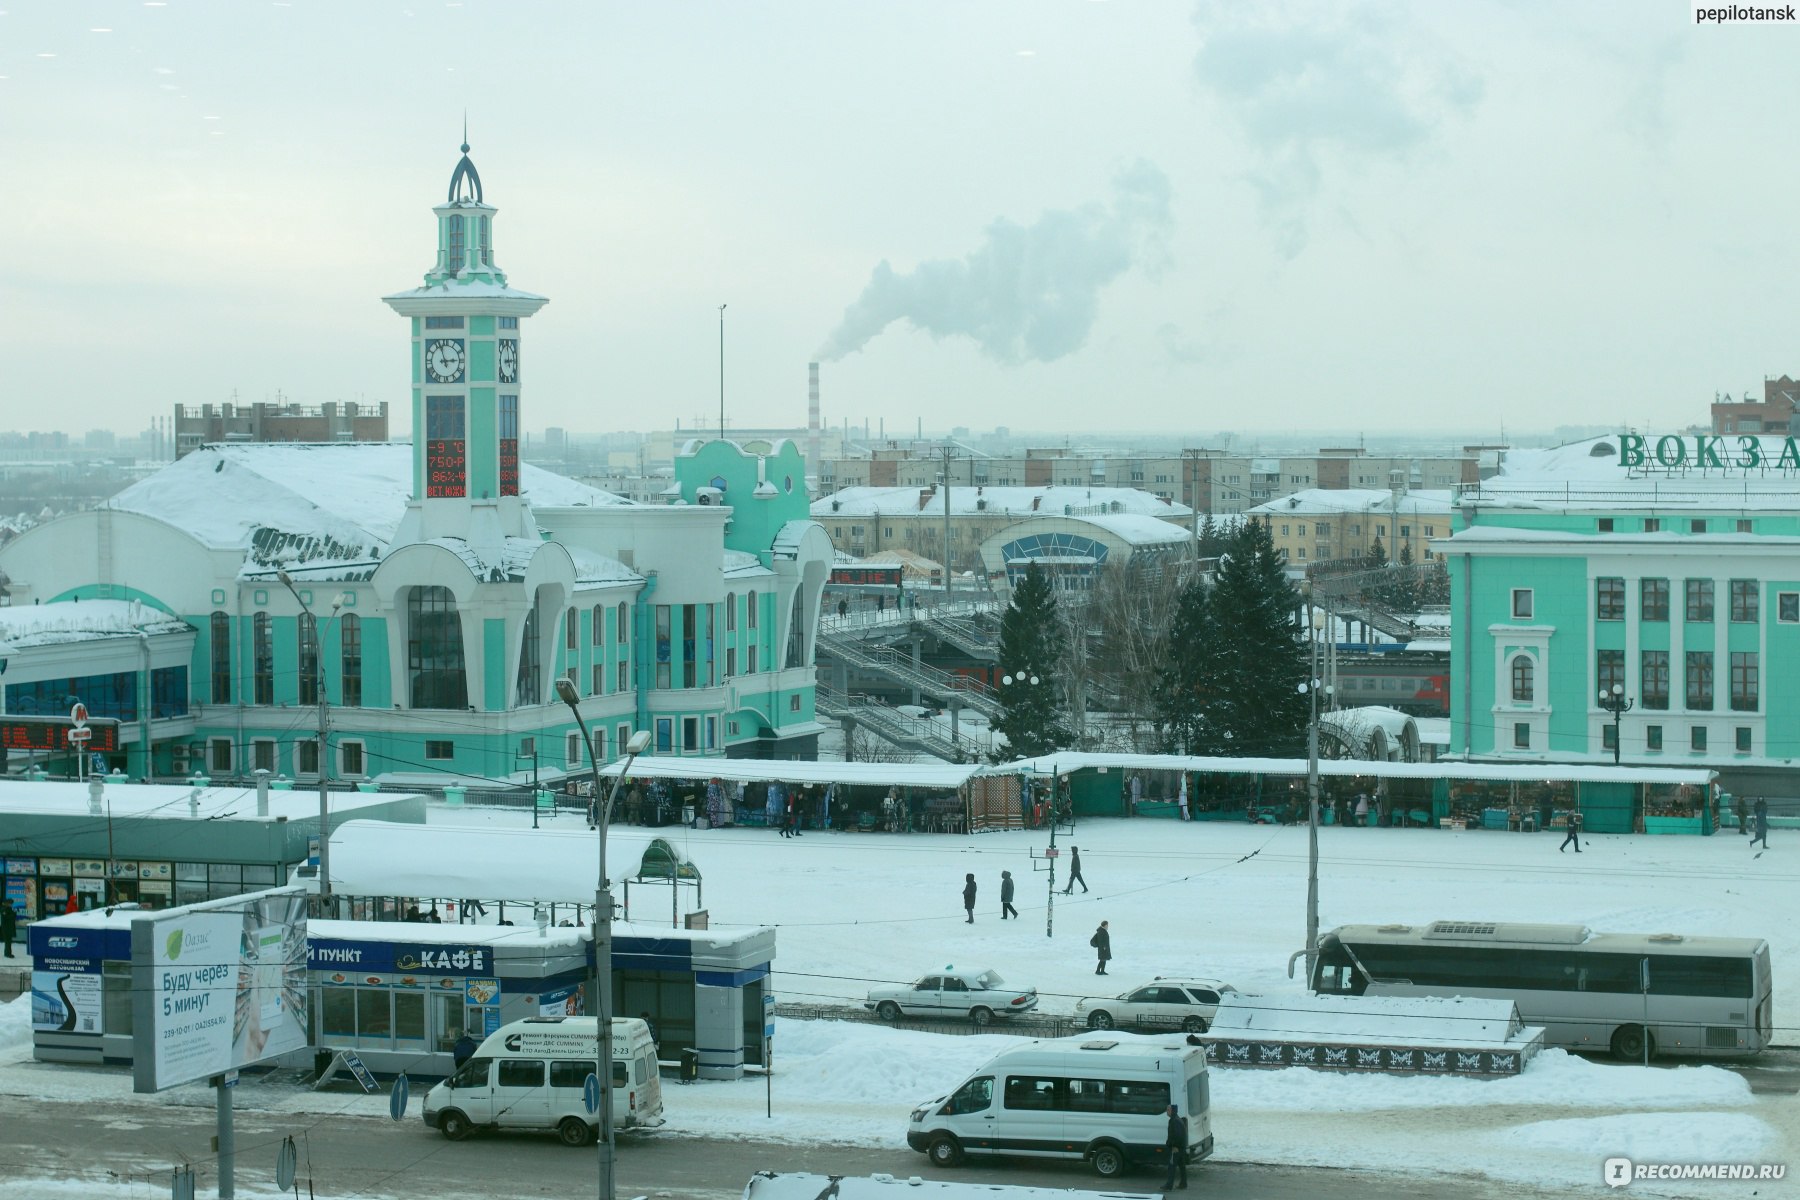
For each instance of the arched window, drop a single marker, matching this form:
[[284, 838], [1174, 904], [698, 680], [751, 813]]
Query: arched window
[[454, 259], [1522, 685], [434, 649], [624, 624], [599, 627], [350, 660], [525, 685], [309, 658], [220, 647], [262, 660]]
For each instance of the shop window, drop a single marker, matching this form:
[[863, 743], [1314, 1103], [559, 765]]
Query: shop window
[[374, 1014], [446, 1021], [337, 1015], [116, 1000], [409, 1017]]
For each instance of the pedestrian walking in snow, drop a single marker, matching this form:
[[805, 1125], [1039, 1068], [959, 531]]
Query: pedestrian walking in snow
[[1102, 942], [1362, 808], [1761, 820], [969, 897], [463, 1050], [1006, 895], [1176, 1145], [1075, 871], [1574, 834]]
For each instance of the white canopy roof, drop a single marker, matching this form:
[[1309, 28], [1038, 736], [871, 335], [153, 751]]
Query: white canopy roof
[[373, 858], [1522, 772], [935, 775]]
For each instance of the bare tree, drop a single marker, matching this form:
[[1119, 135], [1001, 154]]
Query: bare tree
[[1131, 612]]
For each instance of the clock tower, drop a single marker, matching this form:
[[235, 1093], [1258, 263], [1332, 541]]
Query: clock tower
[[467, 368]]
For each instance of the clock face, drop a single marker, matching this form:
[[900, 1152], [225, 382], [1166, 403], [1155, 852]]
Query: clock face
[[444, 360], [509, 360]]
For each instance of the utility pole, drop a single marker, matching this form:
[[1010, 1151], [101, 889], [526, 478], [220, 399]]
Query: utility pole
[[1193, 481], [318, 641], [949, 574]]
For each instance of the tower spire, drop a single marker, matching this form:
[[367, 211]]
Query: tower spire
[[465, 183]]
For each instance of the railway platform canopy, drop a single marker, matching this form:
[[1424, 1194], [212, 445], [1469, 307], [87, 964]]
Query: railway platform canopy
[[1456, 793]]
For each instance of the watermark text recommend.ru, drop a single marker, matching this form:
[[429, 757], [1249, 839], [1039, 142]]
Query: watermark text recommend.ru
[[1733, 14], [1622, 1172]]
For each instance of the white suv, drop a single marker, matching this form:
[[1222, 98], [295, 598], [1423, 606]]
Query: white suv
[[1160, 1004]]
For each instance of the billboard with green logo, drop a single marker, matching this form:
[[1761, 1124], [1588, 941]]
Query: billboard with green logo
[[218, 986]]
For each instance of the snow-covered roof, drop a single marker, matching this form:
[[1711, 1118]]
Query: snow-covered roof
[[1136, 530], [81, 621], [1588, 474], [933, 775], [336, 501], [741, 563], [466, 289], [1021, 501], [1368, 718], [789, 536], [170, 802], [1424, 502], [374, 858], [1435, 1021], [1433, 731], [1591, 772]]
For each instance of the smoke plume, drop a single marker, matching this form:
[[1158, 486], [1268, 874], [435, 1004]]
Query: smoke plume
[[1028, 292]]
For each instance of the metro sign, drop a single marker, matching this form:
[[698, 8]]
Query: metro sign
[[51, 734]]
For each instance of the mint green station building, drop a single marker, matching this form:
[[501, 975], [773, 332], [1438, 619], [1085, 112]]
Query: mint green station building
[[435, 590]]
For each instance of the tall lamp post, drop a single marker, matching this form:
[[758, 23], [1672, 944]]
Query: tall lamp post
[[565, 690], [1312, 687], [1614, 701], [337, 602]]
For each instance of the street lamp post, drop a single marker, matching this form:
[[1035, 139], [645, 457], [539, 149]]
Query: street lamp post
[[337, 602], [1312, 687], [1614, 701], [565, 690]]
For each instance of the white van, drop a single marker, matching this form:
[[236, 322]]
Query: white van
[[773, 1185], [530, 1075], [1102, 1100]]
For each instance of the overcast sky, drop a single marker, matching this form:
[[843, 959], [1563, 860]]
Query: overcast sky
[[1046, 214]]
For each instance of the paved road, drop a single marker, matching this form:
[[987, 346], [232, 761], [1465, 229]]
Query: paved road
[[360, 1156]]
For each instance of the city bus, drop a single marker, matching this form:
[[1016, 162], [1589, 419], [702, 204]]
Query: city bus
[[1632, 993]]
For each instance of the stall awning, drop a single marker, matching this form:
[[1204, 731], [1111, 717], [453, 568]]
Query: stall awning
[[931, 775], [1493, 772], [372, 858]]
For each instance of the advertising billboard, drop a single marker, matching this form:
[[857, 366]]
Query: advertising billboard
[[218, 986]]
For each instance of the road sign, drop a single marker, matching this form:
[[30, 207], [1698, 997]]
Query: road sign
[[398, 1096], [285, 1161], [590, 1093]]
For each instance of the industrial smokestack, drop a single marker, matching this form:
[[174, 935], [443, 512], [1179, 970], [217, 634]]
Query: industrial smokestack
[[812, 416]]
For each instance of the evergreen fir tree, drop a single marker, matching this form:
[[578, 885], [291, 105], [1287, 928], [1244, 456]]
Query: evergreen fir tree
[[1031, 647], [1180, 701], [1255, 661]]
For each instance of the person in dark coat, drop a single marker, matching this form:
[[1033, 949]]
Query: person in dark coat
[[1006, 895], [1574, 834], [645, 1018], [9, 923], [1761, 820], [464, 1050], [1176, 1145], [969, 897], [1102, 942], [1075, 871]]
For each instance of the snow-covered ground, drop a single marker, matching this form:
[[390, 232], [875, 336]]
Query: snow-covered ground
[[1224, 900]]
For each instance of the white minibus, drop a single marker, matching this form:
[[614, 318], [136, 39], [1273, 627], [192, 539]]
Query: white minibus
[[1103, 1100], [530, 1075]]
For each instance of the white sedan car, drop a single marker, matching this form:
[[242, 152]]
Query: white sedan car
[[1160, 1004], [979, 995]]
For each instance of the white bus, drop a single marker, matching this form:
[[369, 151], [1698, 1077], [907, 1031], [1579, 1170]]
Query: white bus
[[1703, 996]]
